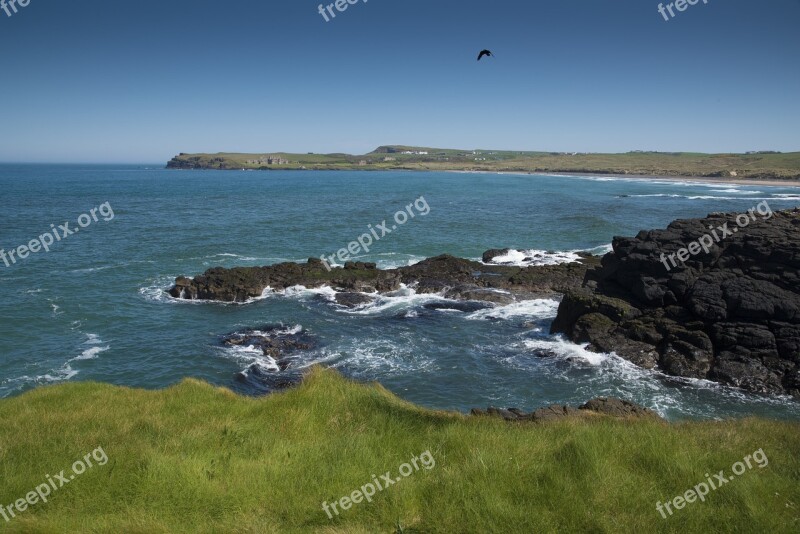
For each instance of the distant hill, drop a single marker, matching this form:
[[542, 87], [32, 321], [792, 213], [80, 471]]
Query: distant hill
[[753, 165]]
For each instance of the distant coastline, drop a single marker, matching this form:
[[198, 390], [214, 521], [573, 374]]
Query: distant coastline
[[758, 168]]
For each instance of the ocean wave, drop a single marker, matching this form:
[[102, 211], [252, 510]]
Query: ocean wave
[[404, 299], [93, 351], [538, 309], [736, 191], [776, 197], [658, 195], [63, 373], [600, 250], [90, 353], [563, 349], [369, 358]]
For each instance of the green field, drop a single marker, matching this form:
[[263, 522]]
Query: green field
[[754, 166], [193, 458]]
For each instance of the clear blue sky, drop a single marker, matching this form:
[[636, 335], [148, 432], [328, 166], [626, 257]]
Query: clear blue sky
[[124, 81]]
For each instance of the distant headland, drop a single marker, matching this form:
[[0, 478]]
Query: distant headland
[[757, 165]]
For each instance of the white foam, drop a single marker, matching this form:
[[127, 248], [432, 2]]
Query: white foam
[[65, 373], [371, 357], [265, 294], [284, 331], [566, 350], [90, 354], [776, 197], [526, 258], [737, 191], [403, 299], [403, 260], [93, 339], [538, 309], [249, 355], [157, 292], [304, 293]]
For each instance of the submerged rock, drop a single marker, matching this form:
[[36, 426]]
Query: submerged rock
[[275, 341]]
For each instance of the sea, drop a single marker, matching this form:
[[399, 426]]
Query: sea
[[95, 306]]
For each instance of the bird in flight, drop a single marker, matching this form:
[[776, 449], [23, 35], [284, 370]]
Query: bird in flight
[[485, 53]]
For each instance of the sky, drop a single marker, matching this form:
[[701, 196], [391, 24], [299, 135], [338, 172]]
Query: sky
[[119, 81]]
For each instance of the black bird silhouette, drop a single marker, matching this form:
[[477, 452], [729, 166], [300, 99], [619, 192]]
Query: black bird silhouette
[[485, 53]]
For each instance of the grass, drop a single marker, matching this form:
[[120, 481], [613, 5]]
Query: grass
[[194, 458]]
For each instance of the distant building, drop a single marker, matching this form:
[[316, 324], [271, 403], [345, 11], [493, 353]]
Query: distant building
[[389, 159], [268, 160]]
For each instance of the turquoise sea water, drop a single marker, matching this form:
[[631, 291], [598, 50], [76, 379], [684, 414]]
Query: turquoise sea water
[[94, 307]]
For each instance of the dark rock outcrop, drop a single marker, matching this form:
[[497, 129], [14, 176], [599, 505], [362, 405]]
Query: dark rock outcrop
[[280, 344], [275, 341], [458, 278], [611, 407], [730, 312]]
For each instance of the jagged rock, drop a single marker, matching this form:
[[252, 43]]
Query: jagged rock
[[551, 413], [606, 406], [508, 415], [729, 313], [617, 408]]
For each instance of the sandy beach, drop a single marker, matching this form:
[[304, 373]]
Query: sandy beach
[[701, 179]]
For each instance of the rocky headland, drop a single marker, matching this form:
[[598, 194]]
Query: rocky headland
[[729, 313]]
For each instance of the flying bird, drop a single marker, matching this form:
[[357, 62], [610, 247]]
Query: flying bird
[[485, 53]]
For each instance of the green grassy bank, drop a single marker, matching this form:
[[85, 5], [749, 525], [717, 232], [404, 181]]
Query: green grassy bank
[[193, 458]]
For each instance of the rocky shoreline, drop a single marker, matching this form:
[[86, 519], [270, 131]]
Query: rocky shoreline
[[455, 278], [730, 315]]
